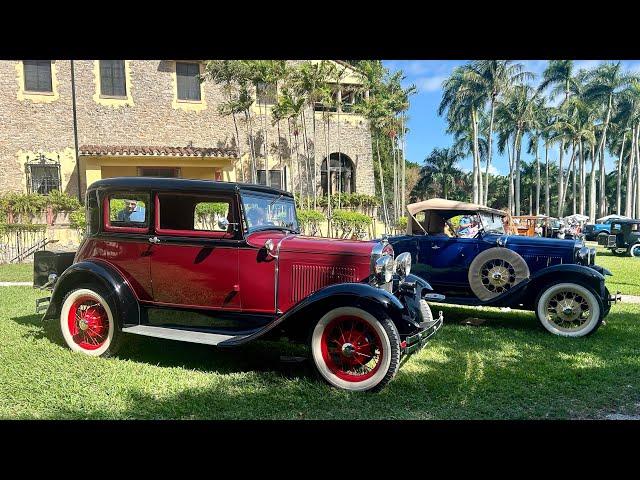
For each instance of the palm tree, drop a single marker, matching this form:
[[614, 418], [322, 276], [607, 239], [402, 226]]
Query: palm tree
[[441, 169], [462, 99], [518, 113], [603, 84], [496, 77]]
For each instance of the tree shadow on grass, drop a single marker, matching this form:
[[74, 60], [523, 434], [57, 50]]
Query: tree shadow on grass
[[259, 356]]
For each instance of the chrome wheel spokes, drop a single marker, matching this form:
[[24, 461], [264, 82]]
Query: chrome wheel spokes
[[568, 310], [497, 276]]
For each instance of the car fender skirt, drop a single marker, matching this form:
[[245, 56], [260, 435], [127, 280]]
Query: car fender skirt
[[100, 274]]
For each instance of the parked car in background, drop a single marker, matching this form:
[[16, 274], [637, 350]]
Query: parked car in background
[[593, 231], [223, 264], [558, 279], [624, 238]]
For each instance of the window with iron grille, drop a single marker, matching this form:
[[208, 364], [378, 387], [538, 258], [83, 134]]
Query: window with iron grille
[[43, 178], [265, 93], [37, 76], [188, 81], [112, 78]]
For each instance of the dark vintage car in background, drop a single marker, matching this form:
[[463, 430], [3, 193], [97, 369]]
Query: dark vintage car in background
[[624, 238], [223, 264], [462, 250]]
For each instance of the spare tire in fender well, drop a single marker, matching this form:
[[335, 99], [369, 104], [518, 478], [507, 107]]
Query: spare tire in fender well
[[104, 275]]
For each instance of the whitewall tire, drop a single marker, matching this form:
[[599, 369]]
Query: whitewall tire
[[353, 350], [569, 309], [87, 323]]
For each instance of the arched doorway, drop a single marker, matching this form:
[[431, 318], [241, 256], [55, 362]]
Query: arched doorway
[[341, 174]]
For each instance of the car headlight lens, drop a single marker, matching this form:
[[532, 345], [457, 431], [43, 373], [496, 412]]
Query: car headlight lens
[[584, 255], [403, 264], [384, 269]]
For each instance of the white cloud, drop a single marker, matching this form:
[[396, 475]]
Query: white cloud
[[430, 84]]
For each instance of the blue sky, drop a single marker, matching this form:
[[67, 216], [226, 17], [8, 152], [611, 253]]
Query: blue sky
[[427, 130]]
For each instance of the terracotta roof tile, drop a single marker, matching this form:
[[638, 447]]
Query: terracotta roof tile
[[95, 150]]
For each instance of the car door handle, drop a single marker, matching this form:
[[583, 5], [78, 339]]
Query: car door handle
[[435, 247], [154, 240]]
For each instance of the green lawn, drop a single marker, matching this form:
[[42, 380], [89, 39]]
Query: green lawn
[[507, 368], [626, 271], [16, 272]]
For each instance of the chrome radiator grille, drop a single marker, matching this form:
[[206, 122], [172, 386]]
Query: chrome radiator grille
[[306, 279]]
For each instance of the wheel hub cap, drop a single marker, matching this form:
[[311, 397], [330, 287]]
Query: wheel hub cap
[[88, 323], [351, 348], [568, 310]]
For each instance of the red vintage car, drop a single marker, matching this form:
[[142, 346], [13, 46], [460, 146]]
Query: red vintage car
[[223, 264]]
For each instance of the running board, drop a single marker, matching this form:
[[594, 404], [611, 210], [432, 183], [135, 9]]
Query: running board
[[182, 335]]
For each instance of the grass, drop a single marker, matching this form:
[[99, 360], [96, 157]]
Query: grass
[[506, 368], [626, 271], [16, 272]]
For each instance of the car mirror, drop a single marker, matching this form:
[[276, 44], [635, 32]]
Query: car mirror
[[223, 223]]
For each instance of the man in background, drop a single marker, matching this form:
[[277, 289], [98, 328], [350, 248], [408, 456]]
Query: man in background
[[132, 212]]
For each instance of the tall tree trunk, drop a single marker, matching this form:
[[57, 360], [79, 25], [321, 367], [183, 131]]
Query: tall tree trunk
[[582, 189], [517, 173], [404, 172], [592, 187], [561, 181], [315, 161], [603, 143], [308, 155], [475, 157], [547, 199], [489, 152], [637, 176], [537, 181], [619, 179], [384, 202], [630, 164], [573, 179]]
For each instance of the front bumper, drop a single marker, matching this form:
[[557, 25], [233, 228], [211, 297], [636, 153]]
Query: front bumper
[[415, 342]]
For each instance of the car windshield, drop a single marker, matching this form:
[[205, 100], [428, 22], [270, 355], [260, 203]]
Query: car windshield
[[264, 211], [492, 223]]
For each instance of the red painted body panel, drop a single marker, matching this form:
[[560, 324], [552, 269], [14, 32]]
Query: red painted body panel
[[129, 257], [305, 264], [193, 275]]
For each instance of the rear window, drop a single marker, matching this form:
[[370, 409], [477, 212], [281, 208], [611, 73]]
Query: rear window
[[126, 211]]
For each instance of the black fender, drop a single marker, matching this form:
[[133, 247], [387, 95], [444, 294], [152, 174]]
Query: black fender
[[420, 281], [296, 322], [566, 272], [101, 274]]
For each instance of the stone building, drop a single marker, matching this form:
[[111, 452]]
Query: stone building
[[154, 118]]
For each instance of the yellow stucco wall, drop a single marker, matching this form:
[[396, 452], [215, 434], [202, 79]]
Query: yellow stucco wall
[[96, 168]]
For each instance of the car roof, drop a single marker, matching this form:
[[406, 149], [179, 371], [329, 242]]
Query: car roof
[[182, 184], [450, 205], [626, 220]]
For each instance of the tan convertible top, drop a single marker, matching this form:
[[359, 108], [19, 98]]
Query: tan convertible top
[[442, 204]]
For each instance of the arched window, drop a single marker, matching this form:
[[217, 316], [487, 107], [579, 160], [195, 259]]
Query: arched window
[[341, 176]]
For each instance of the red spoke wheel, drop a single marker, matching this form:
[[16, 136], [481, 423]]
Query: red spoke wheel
[[354, 350], [87, 323]]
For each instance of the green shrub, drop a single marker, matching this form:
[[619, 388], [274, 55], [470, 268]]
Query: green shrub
[[62, 202], [310, 220], [78, 220], [348, 224], [401, 224]]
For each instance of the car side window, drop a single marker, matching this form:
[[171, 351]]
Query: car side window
[[196, 215], [126, 212]]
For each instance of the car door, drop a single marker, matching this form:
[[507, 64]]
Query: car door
[[194, 261], [445, 260], [124, 238]]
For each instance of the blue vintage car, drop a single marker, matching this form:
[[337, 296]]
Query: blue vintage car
[[463, 251]]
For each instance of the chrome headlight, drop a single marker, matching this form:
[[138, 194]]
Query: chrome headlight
[[384, 269], [403, 264], [583, 255]]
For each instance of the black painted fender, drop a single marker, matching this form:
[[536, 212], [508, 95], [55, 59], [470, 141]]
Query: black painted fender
[[565, 272], [118, 291], [420, 281], [297, 320]]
